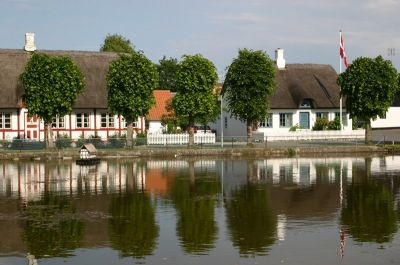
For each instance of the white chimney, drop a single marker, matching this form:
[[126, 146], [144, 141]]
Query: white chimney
[[280, 61], [30, 42]]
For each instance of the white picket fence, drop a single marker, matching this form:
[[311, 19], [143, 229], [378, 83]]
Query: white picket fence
[[169, 139], [316, 135]]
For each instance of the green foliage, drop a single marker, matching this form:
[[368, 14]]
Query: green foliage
[[116, 43], [295, 128], [195, 100], [133, 229], [249, 82], [52, 84], [131, 80], [320, 124], [369, 86], [368, 213], [194, 200], [167, 71], [335, 124], [251, 220], [63, 141], [51, 228]]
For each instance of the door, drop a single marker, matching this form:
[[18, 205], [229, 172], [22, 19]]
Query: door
[[304, 120], [31, 127]]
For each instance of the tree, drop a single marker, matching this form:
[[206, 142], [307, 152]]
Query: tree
[[167, 70], [195, 100], [116, 43], [369, 86], [130, 81], [52, 84], [249, 82]]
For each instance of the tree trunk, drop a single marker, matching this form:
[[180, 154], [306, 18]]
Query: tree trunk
[[368, 132], [129, 134], [191, 132], [249, 132], [49, 136]]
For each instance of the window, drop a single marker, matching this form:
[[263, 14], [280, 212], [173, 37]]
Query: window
[[123, 123], [107, 120], [322, 115], [58, 122], [285, 120], [82, 120], [5, 120], [344, 117], [306, 104], [267, 123]]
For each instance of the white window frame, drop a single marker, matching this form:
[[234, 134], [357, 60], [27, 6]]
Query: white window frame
[[5, 120], [58, 122], [107, 120], [285, 120], [267, 123], [322, 115], [82, 120]]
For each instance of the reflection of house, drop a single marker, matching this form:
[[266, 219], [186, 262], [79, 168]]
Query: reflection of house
[[304, 92], [156, 113]]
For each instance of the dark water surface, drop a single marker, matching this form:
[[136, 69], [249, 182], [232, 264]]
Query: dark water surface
[[273, 211]]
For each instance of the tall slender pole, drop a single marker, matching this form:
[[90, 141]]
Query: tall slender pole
[[222, 127], [340, 71]]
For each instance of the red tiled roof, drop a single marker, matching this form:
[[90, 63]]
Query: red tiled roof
[[161, 97]]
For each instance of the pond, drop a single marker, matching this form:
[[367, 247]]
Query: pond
[[330, 210]]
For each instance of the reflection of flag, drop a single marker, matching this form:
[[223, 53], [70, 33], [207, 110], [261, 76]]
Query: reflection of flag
[[342, 243], [342, 51]]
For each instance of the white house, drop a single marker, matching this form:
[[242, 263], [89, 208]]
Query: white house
[[304, 93]]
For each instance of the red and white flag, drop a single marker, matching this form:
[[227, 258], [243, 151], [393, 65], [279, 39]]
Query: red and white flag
[[342, 51]]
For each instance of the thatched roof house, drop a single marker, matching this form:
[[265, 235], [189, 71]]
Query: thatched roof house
[[300, 84], [94, 66]]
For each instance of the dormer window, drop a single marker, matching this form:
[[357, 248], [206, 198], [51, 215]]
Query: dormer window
[[306, 104]]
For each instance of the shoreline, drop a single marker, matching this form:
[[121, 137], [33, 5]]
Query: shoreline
[[185, 152]]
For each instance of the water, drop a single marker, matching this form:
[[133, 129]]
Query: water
[[261, 211]]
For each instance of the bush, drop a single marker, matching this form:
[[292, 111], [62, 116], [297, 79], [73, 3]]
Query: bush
[[63, 141], [116, 141], [335, 124], [320, 124], [26, 144]]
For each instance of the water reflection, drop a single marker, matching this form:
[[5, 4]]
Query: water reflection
[[50, 227], [132, 227], [251, 220], [249, 207], [194, 197]]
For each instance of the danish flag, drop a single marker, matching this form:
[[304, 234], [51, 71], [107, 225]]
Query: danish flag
[[342, 51]]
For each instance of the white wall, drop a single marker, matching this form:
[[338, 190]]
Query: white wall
[[392, 119]]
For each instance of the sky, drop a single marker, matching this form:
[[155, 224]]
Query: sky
[[307, 30]]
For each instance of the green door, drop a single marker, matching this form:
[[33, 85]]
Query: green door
[[304, 120]]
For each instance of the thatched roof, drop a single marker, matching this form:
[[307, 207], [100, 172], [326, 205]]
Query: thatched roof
[[94, 66], [312, 82]]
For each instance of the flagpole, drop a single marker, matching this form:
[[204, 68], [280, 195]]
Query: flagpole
[[340, 71]]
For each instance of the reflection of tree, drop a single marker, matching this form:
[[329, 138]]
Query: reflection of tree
[[133, 229], [51, 229], [250, 219], [194, 201], [368, 213]]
